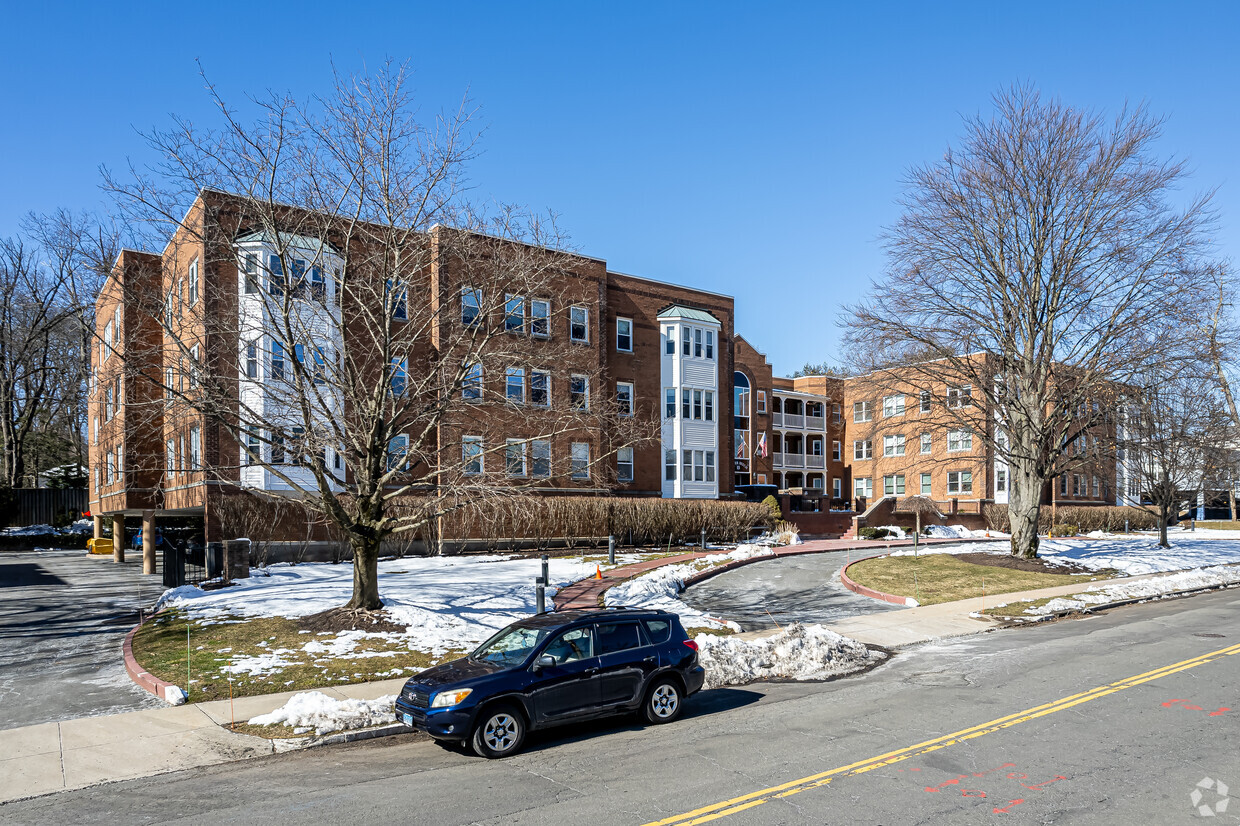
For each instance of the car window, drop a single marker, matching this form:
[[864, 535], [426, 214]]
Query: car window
[[659, 630], [577, 644], [618, 636], [510, 646]]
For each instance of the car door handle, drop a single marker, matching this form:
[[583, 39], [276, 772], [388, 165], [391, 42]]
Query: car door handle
[[590, 671], [651, 660]]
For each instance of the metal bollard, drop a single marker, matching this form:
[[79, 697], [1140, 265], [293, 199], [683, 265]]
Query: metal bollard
[[540, 594], [546, 570], [703, 539], [611, 550], [1125, 526]]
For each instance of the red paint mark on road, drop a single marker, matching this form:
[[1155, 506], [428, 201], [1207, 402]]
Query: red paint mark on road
[[1185, 705], [1011, 805], [1218, 713], [972, 793], [1037, 786]]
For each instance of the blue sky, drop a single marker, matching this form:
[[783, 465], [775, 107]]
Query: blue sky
[[752, 149]]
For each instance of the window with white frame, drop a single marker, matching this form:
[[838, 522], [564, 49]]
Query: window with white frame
[[120, 459], [170, 456], [277, 361], [893, 406], [540, 388], [863, 411], [540, 318], [195, 448], [815, 447], [514, 457], [710, 466], [959, 481], [669, 465], [110, 462], [925, 484], [624, 398], [961, 396], [579, 324], [669, 341], [863, 449], [514, 313], [251, 449], [925, 444], [959, 440], [251, 360], [835, 413], [471, 455], [893, 445], [923, 403], [277, 448], [1063, 485], [400, 376], [514, 385], [579, 392], [686, 465], [250, 273], [540, 458], [835, 451], [398, 294], [193, 282], [697, 404], [471, 306], [624, 335], [686, 341], [580, 457], [624, 464], [94, 432], [686, 403], [837, 487], [863, 487], [893, 485], [710, 344], [1000, 481], [697, 342], [669, 402], [1096, 487], [471, 384]]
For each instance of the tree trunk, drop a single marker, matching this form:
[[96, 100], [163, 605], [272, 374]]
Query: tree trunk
[[365, 574], [1163, 513], [1024, 508]]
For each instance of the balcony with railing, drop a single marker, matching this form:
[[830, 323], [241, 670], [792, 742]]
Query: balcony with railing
[[794, 420], [815, 422], [812, 461], [777, 419]]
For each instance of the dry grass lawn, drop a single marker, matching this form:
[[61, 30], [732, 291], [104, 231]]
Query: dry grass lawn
[[936, 578]]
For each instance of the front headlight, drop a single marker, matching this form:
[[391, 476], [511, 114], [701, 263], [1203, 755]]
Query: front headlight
[[450, 698]]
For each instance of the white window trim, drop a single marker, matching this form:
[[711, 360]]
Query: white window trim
[[585, 324], [620, 349], [508, 445], [632, 397]]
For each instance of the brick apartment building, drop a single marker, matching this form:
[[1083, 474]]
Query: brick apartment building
[[664, 354]]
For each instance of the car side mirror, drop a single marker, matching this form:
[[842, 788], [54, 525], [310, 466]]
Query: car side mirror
[[545, 661]]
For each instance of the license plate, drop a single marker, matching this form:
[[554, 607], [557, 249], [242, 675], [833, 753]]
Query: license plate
[[407, 719]]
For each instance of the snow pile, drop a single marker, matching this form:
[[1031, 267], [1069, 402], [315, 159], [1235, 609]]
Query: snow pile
[[314, 710], [1143, 589], [958, 532], [81, 526], [1133, 556], [798, 652], [261, 664], [661, 588], [895, 530], [30, 530], [446, 602]]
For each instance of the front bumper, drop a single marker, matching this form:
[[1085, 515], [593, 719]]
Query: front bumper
[[440, 723]]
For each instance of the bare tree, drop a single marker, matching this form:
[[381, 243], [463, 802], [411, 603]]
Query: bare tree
[[365, 340], [1173, 432], [1042, 264]]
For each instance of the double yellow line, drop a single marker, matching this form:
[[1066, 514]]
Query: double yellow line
[[749, 801]]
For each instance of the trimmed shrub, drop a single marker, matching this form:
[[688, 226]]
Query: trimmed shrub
[[777, 513], [875, 533], [1086, 518], [1064, 530]]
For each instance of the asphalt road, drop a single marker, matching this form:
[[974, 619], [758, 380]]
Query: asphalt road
[[971, 731], [63, 617], [779, 591]]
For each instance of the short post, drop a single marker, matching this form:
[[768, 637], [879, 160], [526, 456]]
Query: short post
[[611, 550], [1125, 526], [546, 569], [703, 539], [148, 542], [540, 595]]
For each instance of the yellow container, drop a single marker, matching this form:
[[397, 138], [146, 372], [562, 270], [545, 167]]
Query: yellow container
[[102, 545]]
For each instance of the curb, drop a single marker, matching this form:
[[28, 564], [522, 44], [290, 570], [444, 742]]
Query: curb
[[140, 676], [1107, 606], [284, 744], [894, 599]]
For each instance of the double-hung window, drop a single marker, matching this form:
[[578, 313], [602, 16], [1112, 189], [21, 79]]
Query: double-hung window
[[251, 360], [686, 341], [697, 404], [540, 318], [835, 413], [471, 384], [959, 481], [893, 485], [579, 392], [925, 444], [579, 324], [514, 313], [863, 486], [835, 451], [959, 440], [1001, 481], [697, 342], [398, 299], [250, 272], [540, 388], [960, 396], [925, 484], [686, 403], [624, 335], [624, 464], [710, 344], [923, 401], [398, 452], [277, 360], [863, 449], [514, 457], [710, 466], [580, 456], [893, 406], [710, 405], [669, 402], [400, 376], [540, 458], [669, 465], [318, 286], [193, 282], [195, 448], [471, 455], [514, 385], [624, 398], [275, 276], [471, 306], [863, 411], [761, 401], [669, 341], [893, 445], [170, 455]]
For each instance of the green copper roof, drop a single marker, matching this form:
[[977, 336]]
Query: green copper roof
[[681, 311]]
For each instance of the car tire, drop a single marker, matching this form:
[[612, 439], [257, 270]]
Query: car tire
[[664, 701], [499, 732]]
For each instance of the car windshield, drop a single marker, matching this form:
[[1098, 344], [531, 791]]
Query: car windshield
[[510, 646]]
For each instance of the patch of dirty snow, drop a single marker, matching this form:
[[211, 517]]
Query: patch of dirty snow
[[798, 652], [314, 710]]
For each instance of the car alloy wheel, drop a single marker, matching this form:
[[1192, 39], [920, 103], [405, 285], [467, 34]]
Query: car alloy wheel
[[663, 702], [499, 733]]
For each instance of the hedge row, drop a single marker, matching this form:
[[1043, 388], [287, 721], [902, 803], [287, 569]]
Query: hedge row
[[1084, 519], [578, 519]]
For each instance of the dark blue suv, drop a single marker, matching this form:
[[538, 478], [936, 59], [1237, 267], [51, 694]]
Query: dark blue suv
[[553, 669]]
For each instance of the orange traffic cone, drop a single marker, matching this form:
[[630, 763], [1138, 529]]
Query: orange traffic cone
[[598, 572]]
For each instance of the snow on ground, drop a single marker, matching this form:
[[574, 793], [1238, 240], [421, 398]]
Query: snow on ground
[[446, 602], [661, 588], [314, 710], [798, 652], [1145, 589], [1130, 555]]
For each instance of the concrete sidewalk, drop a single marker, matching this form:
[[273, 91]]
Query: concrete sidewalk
[[73, 754]]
